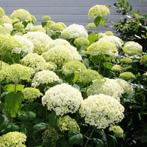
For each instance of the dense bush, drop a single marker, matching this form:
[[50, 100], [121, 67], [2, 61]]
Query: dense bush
[[61, 86]]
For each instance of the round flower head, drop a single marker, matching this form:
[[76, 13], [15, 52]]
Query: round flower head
[[34, 61], [74, 31], [126, 60], [102, 48], [106, 86], [59, 26], [21, 15], [132, 48], [117, 131], [91, 26], [117, 68], [8, 45], [87, 76], [111, 87], [117, 41], [31, 28], [81, 41], [59, 55], [27, 45], [16, 72], [13, 139], [31, 94], [60, 41], [73, 66], [66, 123], [19, 27], [3, 30], [2, 12], [127, 76], [45, 77], [50, 66], [8, 26], [62, 99], [101, 111], [98, 10], [41, 41], [143, 60]]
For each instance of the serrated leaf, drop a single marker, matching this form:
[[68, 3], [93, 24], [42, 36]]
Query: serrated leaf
[[40, 127], [12, 103], [92, 37], [76, 139], [99, 142]]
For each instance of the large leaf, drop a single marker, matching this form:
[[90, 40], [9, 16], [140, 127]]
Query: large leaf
[[76, 138], [92, 37], [99, 21], [12, 103], [13, 87], [99, 142]]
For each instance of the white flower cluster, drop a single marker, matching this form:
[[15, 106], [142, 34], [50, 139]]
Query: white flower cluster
[[45, 77], [41, 41], [62, 99], [26, 45], [116, 40], [101, 111], [74, 31], [111, 87], [132, 48]]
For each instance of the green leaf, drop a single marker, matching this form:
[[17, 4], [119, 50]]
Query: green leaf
[[13, 87], [99, 142], [40, 127], [12, 103], [112, 141], [52, 119], [92, 37], [107, 65], [26, 115], [3, 122], [76, 138], [99, 21]]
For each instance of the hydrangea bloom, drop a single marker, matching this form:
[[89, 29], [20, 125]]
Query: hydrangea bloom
[[59, 26], [16, 72], [132, 48], [41, 41], [22, 15], [102, 48], [66, 123], [27, 45], [74, 31], [81, 41], [73, 66], [34, 61], [117, 68], [127, 76], [31, 94], [98, 10], [8, 27], [126, 60], [101, 111], [87, 76], [60, 54], [45, 77], [116, 40], [62, 99], [117, 130], [91, 26], [37, 28], [13, 139], [143, 60], [60, 41], [111, 87], [2, 12]]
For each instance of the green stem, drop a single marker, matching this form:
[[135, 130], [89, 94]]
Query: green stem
[[104, 137], [89, 138]]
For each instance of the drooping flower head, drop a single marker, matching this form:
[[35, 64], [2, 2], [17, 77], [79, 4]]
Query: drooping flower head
[[45, 77], [132, 48], [13, 139], [74, 31], [98, 10], [101, 111], [117, 131], [102, 48], [62, 99]]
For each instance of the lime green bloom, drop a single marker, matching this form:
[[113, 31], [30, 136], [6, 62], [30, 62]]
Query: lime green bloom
[[98, 10], [132, 48], [66, 123], [13, 139], [127, 76], [102, 48], [21, 15], [37, 28], [59, 26], [15, 73], [117, 130], [143, 60], [2, 12], [126, 60], [117, 68], [31, 94], [91, 25], [72, 67], [81, 41], [101, 111]]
